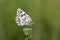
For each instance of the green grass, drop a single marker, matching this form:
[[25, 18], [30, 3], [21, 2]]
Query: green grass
[[45, 15]]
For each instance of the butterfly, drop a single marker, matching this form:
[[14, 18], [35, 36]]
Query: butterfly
[[22, 18]]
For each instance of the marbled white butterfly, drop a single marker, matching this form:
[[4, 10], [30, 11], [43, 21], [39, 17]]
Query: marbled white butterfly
[[22, 18]]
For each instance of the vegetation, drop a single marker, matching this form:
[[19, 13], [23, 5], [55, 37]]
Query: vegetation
[[45, 15]]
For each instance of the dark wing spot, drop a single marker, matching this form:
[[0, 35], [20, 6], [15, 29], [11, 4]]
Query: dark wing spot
[[20, 11], [19, 21], [23, 15]]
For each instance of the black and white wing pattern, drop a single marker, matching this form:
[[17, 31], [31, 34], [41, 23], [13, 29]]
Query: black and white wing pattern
[[22, 18]]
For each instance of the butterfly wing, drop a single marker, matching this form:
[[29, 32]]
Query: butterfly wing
[[22, 18]]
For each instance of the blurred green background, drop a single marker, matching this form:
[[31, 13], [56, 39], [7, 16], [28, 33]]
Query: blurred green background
[[45, 15]]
